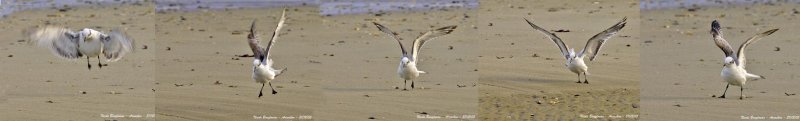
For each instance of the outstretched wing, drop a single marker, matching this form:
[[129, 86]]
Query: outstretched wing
[[740, 54], [116, 44], [430, 35], [561, 46], [386, 30], [275, 34], [61, 41], [595, 43], [253, 40], [721, 42]]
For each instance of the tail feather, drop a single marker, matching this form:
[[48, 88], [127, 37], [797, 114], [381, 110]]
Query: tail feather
[[754, 77], [279, 72]]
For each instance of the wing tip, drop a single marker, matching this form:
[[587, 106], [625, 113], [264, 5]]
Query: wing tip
[[252, 29], [378, 25], [447, 29], [715, 28], [769, 32]]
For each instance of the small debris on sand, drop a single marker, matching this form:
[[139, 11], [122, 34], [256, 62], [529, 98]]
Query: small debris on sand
[[244, 55], [562, 30]]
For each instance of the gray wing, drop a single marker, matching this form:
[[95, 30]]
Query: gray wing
[[388, 32], [755, 38], [721, 42], [253, 40], [61, 41], [595, 43], [275, 34], [116, 44], [430, 35], [561, 46]]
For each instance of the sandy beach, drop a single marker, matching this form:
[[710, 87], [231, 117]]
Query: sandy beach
[[522, 73], [681, 64], [38, 85]]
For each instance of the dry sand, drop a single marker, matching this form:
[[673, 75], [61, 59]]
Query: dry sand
[[361, 67], [681, 64], [522, 73], [197, 49], [37, 85]]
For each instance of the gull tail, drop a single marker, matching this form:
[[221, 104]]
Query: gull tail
[[754, 77], [422, 72], [279, 72]]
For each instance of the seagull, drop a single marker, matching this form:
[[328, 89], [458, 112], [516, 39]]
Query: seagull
[[262, 64], [86, 42], [408, 63], [733, 70], [575, 62]]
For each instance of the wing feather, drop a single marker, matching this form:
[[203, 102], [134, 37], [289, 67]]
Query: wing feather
[[116, 45], [61, 41], [595, 43], [388, 32], [561, 45], [430, 35], [740, 54]]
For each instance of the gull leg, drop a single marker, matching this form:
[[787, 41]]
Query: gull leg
[[579, 78], [585, 77], [260, 92], [98, 62], [741, 95], [404, 84], [412, 84], [726, 90], [273, 89], [88, 63]]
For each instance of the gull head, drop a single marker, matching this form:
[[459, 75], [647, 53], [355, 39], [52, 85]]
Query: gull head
[[87, 34], [405, 61], [256, 62], [729, 60]]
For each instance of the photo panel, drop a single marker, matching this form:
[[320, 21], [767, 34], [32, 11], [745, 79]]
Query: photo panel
[[684, 70], [526, 75], [365, 73], [208, 70], [104, 72]]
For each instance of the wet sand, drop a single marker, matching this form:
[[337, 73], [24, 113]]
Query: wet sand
[[198, 49], [522, 73], [37, 85], [681, 64]]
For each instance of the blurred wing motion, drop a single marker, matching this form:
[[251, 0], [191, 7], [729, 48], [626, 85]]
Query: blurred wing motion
[[594, 44], [430, 35], [115, 45], [61, 41]]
